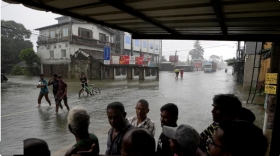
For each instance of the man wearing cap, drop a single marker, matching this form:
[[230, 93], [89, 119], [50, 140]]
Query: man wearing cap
[[226, 107], [184, 139], [61, 94], [44, 90], [54, 82]]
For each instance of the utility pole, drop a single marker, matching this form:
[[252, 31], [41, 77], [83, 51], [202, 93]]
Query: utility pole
[[175, 58], [131, 47]]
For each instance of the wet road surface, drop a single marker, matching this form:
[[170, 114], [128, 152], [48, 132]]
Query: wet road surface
[[21, 119]]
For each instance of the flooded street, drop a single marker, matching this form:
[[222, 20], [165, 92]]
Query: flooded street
[[21, 119]]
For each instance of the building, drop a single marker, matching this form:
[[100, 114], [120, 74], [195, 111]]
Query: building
[[56, 43], [59, 42], [148, 49]]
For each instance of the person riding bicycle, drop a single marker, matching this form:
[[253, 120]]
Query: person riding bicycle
[[83, 80]]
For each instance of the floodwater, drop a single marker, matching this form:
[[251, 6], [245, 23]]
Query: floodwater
[[21, 119]]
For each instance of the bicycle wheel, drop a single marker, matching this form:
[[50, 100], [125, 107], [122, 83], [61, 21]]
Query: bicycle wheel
[[95, 91], [83, 93]]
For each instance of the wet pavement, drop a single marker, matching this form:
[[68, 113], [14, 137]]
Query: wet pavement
[[193, 94]]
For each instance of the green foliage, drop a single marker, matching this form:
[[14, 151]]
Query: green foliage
[[31, 59], [231, 62], [13, 40], [17, 70], [215, 58], [197, 52], [163, 59]]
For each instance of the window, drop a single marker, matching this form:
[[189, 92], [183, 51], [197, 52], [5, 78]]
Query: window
[[112, 39], [156, 47], [136, 43], [65, 32], [63, 52], [102, 37], [151, 46], [85, 33], [107, 39], [59, 46], [127, 40], [52, 34], [51, 54], [144, 44]]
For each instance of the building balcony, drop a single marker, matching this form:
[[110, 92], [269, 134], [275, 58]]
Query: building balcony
[[92, 42], [46, 40]]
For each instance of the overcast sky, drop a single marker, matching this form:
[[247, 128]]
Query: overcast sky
[[33, 19]]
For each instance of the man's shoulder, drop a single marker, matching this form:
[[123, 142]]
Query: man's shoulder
[[72, 150], [150, 121]]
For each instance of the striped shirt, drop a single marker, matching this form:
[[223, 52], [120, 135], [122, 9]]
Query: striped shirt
[[147, 123], [207, 133]]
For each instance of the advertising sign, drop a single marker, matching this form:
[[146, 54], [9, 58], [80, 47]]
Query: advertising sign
[[139, 60], [172, 58], [115, 59], [106, 57], [271, 78], [270, 89], [197, 64], [127, 40], [132, 60], [124, 59]]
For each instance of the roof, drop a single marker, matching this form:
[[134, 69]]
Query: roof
[[250, 20], [51, 26], [98, 55]]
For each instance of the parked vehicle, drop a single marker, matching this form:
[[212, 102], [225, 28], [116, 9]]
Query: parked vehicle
[[210, 66]]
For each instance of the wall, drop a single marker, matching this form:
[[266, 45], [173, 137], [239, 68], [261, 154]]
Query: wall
[[248, 70], [61, 69]]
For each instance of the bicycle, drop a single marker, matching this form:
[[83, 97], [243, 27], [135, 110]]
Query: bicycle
[[89, 90]]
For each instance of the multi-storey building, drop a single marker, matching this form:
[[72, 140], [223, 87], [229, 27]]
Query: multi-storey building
[[56, 43]]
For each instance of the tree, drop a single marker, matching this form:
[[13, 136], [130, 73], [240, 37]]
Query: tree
[[163, 59], [215, 58], [231, 62], [31, 60], [197, 52], [13, 40]]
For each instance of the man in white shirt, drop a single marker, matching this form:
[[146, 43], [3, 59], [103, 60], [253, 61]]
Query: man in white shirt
[[141, 119]]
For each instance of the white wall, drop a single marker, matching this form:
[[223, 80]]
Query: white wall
[[151, 46], [127, 41]]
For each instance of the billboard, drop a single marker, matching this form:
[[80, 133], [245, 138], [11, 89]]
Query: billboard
[[132, 60], [172, 58], [139, 60], [197, 64], [115, 59], [124, 59], [106, 56]]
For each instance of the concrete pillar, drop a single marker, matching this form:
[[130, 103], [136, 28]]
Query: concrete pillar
[[42, 71], [111, 73], [141, 73], [157, 74], [129, 74], [69, 71]]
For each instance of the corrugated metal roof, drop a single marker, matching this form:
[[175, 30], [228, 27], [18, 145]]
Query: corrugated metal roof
[[248, 20]]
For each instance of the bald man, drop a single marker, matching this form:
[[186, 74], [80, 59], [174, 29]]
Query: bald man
[[35, 146]]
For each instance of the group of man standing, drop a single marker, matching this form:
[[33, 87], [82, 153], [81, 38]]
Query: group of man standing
[[59, 91], [231, 134]]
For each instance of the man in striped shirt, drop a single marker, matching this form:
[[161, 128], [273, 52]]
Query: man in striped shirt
[[141, 119]]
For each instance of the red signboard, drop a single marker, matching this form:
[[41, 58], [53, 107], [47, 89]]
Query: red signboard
[[138, 60], [172, 58], [124, 59], [197, 64]]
